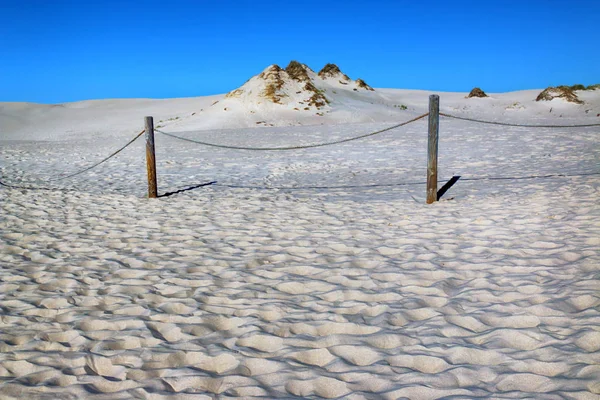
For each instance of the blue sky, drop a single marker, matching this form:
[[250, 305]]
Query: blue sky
[[60, 51]]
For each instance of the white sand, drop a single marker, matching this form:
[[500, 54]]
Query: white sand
[[360, 292]]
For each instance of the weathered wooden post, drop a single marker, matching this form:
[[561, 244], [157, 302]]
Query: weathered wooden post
[[432, 147], [151, 159]]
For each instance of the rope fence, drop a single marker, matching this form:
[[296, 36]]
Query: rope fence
[[12, 186], [517, 125], [432, 181], [380, 185], [103, 160], [308, 146]]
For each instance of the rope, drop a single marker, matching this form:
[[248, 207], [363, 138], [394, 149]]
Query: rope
[[507, 178], [308, 146], [104, 160], [521, 125], [367, 186], [377, 185], [8, 185]]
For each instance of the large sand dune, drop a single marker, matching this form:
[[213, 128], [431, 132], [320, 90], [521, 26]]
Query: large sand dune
[[317, 273]]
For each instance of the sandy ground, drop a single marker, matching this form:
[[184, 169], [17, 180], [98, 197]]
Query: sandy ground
[[314, 274]]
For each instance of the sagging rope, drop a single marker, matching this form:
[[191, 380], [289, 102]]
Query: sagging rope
[[308, 146], [10, 185], [380, 185], [518, 125], [102, 161], [508, 178]]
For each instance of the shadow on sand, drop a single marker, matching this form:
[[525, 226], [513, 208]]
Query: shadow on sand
[[187, 189], [447, 186], [440, 192]]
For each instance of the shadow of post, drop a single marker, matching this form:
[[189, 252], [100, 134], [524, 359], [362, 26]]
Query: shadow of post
[[447, 186], [187, 189]]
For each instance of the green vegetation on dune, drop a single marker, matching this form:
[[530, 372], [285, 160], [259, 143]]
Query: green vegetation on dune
[[581, 87]]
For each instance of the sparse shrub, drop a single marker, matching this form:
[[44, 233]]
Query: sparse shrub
[[318, 99], [476, 92], [332, 70], [235, 93], [274, 83], [579, 86], [297, 71], [270, 92], [362, 84], [564, 92]]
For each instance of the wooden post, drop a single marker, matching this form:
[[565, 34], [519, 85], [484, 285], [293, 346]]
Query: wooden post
[[432, 147], [151, 159]]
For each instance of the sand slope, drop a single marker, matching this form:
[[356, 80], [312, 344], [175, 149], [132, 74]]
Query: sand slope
[[354, 289], [121, 117]]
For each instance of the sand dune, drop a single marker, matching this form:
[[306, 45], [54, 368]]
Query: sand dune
[[354, 290]]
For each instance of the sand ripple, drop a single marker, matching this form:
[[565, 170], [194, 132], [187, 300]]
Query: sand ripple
[[239, 294]]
